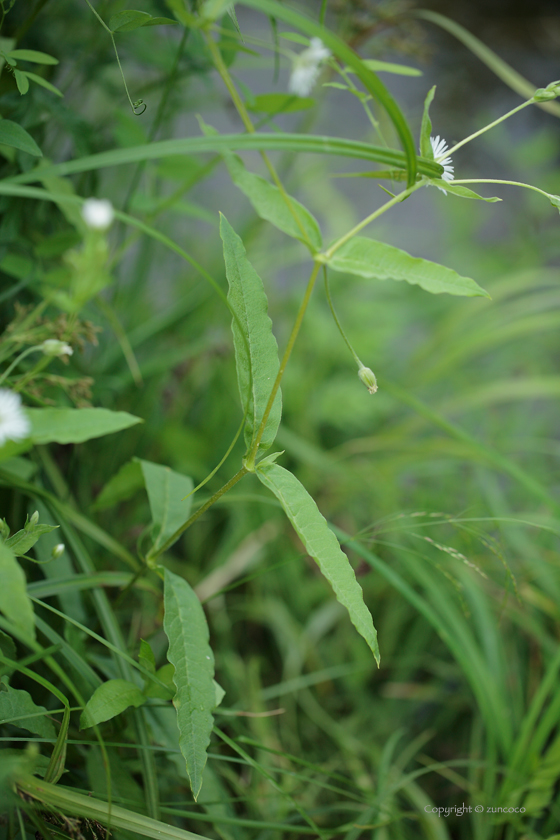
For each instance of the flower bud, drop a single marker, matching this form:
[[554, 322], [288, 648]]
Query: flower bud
[[57, 551], [367, 376], [551, 91], [98, 213], [34, 518], [52, 347]]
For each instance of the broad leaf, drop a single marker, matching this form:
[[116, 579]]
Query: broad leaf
[[190, 653], [14, 600], [15, 703], [121, 486], [23, 540], [378, 261], [12, 134], [426, 128], [166, 493], [322, 546], [109, 700], [256, 351], [269, 203], [22, 81], [75, 425]]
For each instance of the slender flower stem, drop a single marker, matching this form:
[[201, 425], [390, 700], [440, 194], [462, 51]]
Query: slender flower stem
[[375, 215], [496, 181], [242, 111], [17, 360], [337, 322], [250, 459], [489, 126], [153, 555]]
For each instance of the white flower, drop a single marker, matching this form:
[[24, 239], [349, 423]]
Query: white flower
[[14, 424], [439, 148], [98, 213], [52, 347], [306, 69]]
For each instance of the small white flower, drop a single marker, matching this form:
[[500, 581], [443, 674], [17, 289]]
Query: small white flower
[[52, 347], [307, 67], [439, 148], [14, 424], [98, 213]]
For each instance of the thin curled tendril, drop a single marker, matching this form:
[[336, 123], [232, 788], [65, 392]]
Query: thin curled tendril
[[136, 105]]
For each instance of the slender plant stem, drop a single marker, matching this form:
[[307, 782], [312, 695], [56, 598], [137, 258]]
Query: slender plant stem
[[250, 460], [337, 322], [375, 215], [496, 181], [242, 111], [488, 127], [153, 555], [18, 359]]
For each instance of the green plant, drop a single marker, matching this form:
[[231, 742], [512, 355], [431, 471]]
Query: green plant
[[65, 262]]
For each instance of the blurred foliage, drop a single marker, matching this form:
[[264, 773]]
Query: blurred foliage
[[443, 486]]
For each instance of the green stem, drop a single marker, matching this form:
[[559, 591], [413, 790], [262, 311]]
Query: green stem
[[337, 322], [250, 459], [496, 181], [17, 360], [153, 555], [242, 111], [375, 215], [488, 127]]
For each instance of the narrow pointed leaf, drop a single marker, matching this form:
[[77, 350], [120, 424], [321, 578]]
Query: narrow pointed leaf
[[58, 757], [121, 486], [426, 127], [256, 350], [190, 653], [109, 700], [462, 192], [22, 81], [322, 545], [166, 491], [43, 82], [14, 600], [33, 55], [378, 261]]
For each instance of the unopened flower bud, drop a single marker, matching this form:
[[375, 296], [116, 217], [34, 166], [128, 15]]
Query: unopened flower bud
[[367, 376], [52, 347], [551, 91], [98, 213], [57, 551], [34, 518]]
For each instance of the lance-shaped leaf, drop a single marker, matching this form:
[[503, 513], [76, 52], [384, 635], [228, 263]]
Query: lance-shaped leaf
[[282, 211], [14, 600], [75, 425], [166, 491], [109, 700], [321, 544], [190, 653], [378, 261], [462, 192], [256, 350], [426, 127]]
